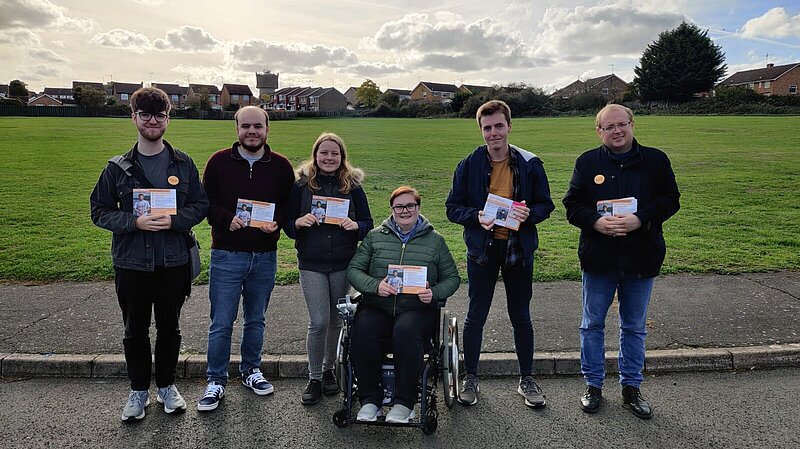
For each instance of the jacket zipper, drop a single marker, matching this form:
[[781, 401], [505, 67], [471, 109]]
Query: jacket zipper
[[402, 254]]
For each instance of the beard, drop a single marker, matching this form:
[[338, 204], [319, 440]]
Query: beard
[[252, 148], [152, 134]]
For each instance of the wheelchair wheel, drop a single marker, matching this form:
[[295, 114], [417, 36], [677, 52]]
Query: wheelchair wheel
[[341, 362], [431, 423], [339, 419], [450, 359]]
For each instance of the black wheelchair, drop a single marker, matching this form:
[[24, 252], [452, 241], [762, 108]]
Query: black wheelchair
[[441, 359]]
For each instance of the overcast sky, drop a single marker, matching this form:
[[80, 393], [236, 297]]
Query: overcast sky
[[49, 43]]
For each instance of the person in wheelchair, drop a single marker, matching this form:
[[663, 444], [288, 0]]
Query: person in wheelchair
[[405, 238]]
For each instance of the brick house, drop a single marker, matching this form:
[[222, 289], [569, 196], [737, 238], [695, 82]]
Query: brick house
[[770, 80], [610, 86], [350, 94], [402, 93], [322, 99], [177, 94], [59, 93], [44, 100], [427, 91], [209, 89], [239, 94], [123, 91], [474, 90]]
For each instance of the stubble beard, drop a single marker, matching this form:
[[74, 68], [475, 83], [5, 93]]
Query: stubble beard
[[251, 148]]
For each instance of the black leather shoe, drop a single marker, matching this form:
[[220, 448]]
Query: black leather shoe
[[590, 401], [633, 401], [313, 392]]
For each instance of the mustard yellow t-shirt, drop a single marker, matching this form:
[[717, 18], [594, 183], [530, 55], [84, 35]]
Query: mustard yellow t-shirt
[[501, 183]]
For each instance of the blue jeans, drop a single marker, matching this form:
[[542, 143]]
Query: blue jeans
[[233, 275], [634, 297], [518, 281]]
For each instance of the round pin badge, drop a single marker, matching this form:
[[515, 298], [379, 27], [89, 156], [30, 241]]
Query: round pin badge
[[173, 180], [599, 179]]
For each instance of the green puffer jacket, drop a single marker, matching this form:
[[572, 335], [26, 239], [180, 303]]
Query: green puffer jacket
[[382, 247]]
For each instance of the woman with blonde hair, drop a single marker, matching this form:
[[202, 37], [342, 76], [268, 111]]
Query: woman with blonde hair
[[324, 251]]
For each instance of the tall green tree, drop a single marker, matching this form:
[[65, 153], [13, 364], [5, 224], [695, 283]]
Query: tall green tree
[[368, 93], [680, 63], [18, 89], [89, 97]]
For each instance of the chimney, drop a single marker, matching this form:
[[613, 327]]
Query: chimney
[[770, 65]]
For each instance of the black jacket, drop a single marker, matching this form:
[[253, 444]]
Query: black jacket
[[112, 209], [326, 248], [646, 175]]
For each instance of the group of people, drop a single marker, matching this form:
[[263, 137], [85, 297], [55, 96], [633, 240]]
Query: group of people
[[620, 255]]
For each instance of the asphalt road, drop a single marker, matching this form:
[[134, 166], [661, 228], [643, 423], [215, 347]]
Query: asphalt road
[[725, 410]]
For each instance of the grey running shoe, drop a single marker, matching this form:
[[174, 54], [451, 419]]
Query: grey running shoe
[[214, 393], [469, 390], [400, 414], [134, 408], [172, 400], [531, 392], [368, 413]]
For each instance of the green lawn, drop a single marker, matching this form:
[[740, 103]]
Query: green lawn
[[739, 177]]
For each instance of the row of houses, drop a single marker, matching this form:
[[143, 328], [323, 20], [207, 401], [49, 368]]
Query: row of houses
[[179, 95]]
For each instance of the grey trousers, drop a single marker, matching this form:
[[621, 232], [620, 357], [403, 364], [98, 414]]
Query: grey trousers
[[321, 290]]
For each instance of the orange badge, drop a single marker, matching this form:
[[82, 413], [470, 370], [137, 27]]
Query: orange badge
[[173, 180], [599, 179]]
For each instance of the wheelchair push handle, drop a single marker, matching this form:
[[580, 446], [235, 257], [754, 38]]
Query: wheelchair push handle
[[345, 306]]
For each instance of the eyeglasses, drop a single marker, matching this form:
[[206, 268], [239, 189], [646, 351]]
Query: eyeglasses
[[411, 207], [614, 127], [146, 116]]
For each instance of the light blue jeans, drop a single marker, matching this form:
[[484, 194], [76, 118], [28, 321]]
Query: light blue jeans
[[634, 297], [234, 275]]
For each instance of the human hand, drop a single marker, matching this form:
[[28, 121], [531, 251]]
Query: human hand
[[384, 289], [520, 212], [349, 225], [236, 224], [153, 223], [306, 221], [272, 226], [486, 223], [617, 225], [426, 295]]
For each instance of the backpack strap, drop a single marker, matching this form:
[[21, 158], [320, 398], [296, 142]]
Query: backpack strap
[[131, 170]]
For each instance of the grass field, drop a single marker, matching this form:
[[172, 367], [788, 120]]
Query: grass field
[[739, 178]]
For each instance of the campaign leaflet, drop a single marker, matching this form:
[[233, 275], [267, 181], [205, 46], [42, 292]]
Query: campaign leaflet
[[621, 206], [407, 279], [154, 202], [499, 208], [255, 213], [329, 210]]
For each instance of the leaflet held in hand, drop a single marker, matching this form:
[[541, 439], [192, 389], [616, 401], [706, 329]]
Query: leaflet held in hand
[[329, 210], [499, 208], [255, 213], [407, 279], [621, 206], [154, 202]]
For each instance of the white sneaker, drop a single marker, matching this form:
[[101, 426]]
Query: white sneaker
[[400, 414], [368, 413]]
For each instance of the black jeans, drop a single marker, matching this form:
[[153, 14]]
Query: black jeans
[[139, 293], [407, 331]]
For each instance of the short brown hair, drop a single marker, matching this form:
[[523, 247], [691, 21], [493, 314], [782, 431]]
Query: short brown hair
[[236, 116], [492, 106], [150, 99], [405, 189]]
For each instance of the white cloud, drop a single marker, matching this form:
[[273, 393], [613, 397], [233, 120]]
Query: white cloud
[[123, 39], [447, 42], [40, 72], [373, 69], [187, 38], [774, 23], [40, 13], [619, 29], [20, 38], [46, 55], [59, 44], [255, 54]]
